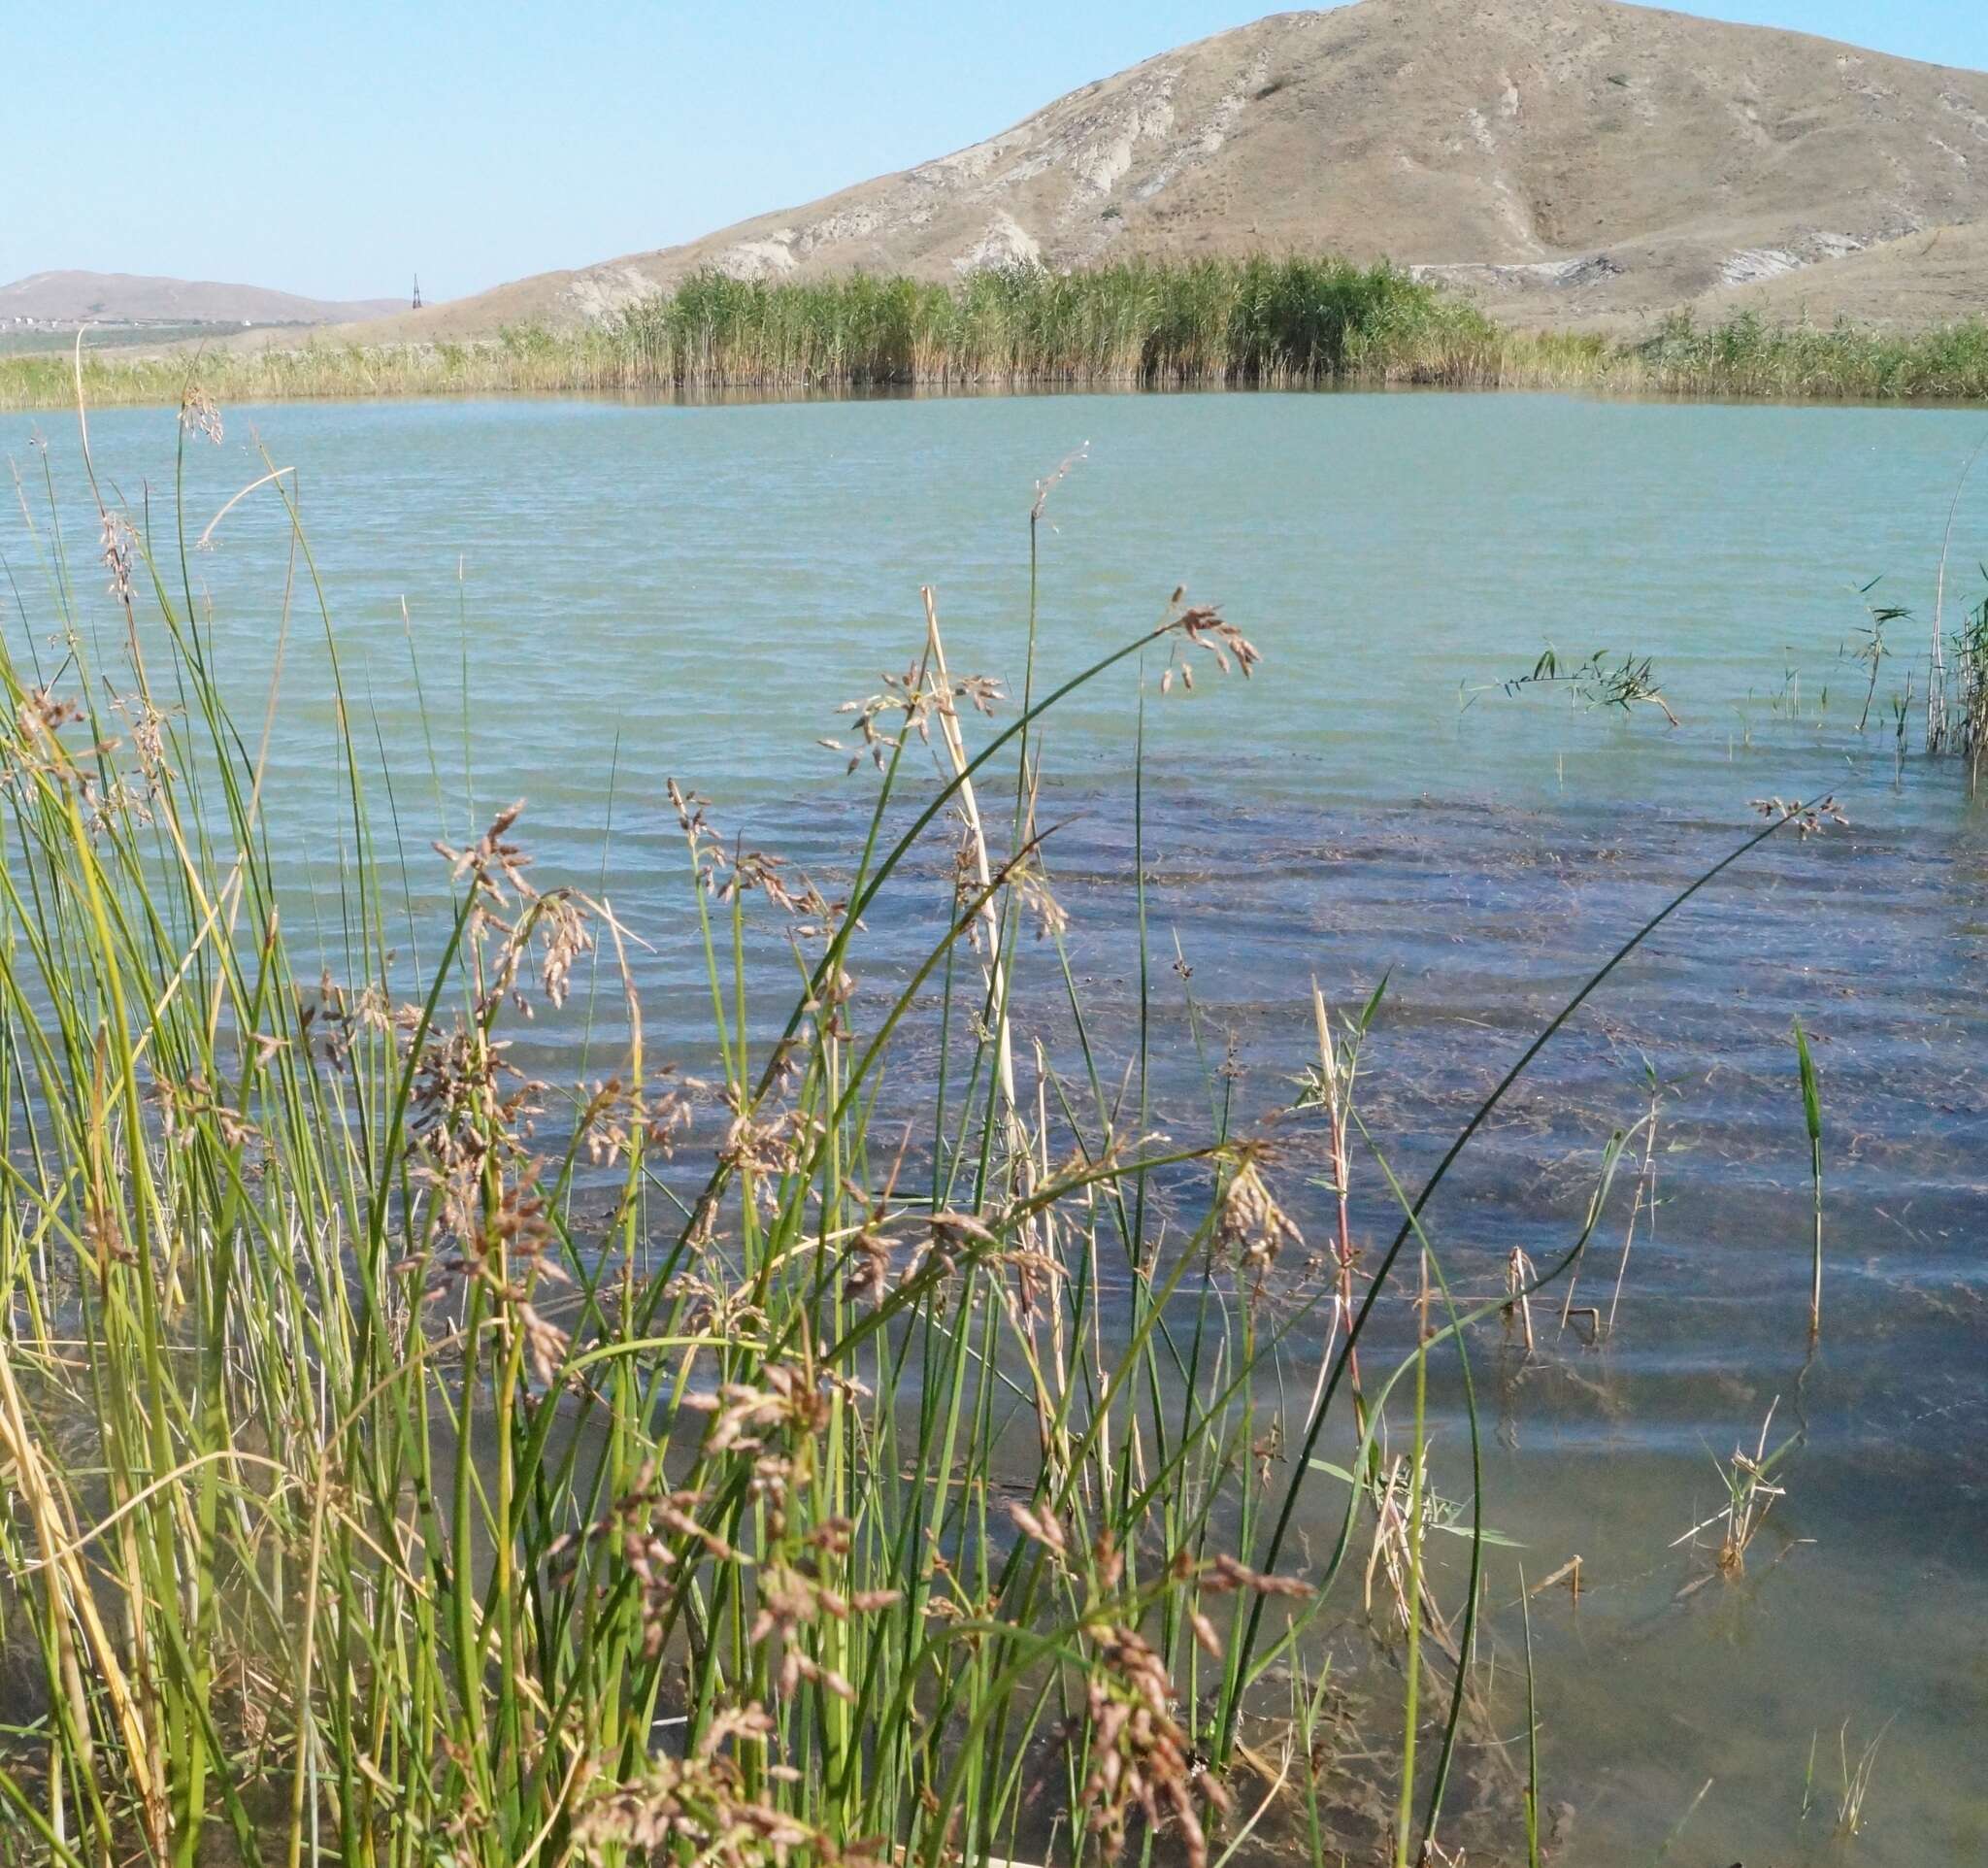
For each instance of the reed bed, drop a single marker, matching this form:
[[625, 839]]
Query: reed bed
[[410, 1463], [1250, 323], [1960, 725], [1260, 323], [1746, 357]]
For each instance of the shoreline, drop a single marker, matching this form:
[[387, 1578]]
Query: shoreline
[[366, 375], [1283, 324], [757, 395]]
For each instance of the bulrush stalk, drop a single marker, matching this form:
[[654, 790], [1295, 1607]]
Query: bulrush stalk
[[1333, 1090]]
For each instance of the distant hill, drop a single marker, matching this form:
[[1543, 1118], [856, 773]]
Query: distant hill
[[128, 298], [1565, 161]]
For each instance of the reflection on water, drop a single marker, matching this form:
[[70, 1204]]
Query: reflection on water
[[626, 593]]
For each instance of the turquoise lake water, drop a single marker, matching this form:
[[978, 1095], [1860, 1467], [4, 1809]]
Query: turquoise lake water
[[626, 593]]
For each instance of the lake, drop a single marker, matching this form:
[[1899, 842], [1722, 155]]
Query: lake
[[626, 593]]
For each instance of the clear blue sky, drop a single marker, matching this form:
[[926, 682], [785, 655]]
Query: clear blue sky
[[336, 148]]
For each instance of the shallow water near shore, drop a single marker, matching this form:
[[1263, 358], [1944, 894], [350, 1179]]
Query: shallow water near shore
[[626, 593]]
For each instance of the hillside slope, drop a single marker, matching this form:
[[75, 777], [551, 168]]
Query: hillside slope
[[1564, 161], [132, 298]]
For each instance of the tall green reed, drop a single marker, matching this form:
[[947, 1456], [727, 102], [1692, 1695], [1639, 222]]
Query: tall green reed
[[414, 1466]]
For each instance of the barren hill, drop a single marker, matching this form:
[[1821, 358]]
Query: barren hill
[[130, 298], [1566, 161]]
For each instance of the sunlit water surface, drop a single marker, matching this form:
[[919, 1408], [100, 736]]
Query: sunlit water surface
[[631, 592]]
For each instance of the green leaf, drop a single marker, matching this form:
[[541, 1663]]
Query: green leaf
[[1811, 1096]]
